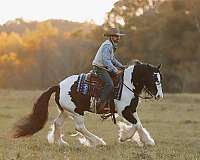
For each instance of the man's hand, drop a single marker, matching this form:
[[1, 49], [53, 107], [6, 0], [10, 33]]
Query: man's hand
[[124, 67], [119, 72]]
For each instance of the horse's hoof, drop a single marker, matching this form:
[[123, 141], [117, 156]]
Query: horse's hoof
[[123, 140], [150, 143], [62, 142], [101, 144]]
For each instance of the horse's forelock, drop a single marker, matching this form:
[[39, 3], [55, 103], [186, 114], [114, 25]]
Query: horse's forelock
[[151, 68]]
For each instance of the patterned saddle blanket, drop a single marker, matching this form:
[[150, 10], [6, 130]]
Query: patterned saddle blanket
[[90, 84]]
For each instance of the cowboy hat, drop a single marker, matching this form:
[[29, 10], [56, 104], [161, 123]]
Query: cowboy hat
[[113, 32]]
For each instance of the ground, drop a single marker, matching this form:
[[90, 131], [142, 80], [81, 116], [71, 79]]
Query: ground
[[173, 123]]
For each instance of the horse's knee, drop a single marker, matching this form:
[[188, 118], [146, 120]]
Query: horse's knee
[[79, 127], [139, 126], [79, 123], [128, 115], [128, 112], [59, 121]]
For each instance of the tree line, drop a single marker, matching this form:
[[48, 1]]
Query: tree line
[[34, 55]]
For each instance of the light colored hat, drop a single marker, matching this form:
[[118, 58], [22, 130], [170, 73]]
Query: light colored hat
[[113, 32]]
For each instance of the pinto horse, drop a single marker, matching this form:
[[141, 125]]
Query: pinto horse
[[136, 78]]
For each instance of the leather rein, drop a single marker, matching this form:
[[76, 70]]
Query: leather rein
[[135, 93]]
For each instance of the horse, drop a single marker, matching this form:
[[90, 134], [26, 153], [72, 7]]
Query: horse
[[69, 101]]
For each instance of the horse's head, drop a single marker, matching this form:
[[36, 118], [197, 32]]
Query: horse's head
[[149, 77]]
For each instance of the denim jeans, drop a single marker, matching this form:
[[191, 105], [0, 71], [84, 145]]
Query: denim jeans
[[108, 83]]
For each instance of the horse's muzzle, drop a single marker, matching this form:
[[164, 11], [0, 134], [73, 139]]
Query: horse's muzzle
[[158, 97]]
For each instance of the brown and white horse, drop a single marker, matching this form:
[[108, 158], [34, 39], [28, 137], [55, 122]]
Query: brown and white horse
[[70, 102]]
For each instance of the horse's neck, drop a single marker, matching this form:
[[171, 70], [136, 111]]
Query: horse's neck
[[129, 72], [128, 76]]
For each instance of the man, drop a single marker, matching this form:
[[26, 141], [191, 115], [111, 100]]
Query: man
[[105, 63]]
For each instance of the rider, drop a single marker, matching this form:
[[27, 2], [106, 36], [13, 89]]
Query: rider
[[105, 63]]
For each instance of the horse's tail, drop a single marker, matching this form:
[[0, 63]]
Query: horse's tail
[[37, 119]]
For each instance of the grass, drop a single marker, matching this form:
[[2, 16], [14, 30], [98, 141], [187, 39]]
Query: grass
[[173, 123]]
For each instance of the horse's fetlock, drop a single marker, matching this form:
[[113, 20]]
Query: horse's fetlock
[[138, 126], [79, 128]]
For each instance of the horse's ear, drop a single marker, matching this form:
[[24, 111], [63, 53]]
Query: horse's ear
[[159, 66]]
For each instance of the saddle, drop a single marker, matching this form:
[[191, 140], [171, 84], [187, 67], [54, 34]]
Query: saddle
[[90, 84]]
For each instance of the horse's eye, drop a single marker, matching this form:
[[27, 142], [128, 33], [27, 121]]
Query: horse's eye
[[156, 79]]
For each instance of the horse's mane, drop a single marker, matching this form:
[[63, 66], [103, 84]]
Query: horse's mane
[[134, 62]]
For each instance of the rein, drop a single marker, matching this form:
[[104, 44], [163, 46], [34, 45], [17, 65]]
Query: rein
[[134, 91]]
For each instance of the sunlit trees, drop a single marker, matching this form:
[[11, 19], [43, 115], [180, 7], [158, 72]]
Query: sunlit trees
[[164, 32], [42, 55], [21, 54], [38, 54]]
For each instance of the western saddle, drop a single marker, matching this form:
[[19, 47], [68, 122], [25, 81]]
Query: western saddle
[[95, 85]]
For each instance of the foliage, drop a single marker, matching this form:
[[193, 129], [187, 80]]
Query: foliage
[[36, 58], [166, 33], [37, 54]]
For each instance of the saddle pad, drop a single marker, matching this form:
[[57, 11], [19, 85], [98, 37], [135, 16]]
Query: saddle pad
[[82, 85]]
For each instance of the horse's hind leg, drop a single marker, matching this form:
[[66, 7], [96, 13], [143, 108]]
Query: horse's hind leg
[[80, 127], [55, 134]]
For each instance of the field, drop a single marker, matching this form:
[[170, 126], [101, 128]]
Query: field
[[174, 123]]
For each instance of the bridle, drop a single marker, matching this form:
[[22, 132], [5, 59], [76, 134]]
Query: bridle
[[135, 93]]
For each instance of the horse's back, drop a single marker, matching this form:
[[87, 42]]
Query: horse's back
[[68, 82]]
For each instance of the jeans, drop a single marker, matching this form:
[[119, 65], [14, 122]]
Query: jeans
[[108, 83]]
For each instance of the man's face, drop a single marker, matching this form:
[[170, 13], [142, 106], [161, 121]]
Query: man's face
[[115, 39]]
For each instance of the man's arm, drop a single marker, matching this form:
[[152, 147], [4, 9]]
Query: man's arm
[[117, 63], [107, 59]]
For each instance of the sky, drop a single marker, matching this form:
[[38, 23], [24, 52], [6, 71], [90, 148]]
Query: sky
[[72, 10]]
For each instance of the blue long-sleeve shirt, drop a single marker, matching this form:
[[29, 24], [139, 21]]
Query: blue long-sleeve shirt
[[105, 57], [111, 63]]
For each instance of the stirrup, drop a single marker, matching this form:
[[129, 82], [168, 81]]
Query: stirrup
[[105, 116]]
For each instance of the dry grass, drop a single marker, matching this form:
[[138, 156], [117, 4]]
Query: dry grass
[[173, 122]]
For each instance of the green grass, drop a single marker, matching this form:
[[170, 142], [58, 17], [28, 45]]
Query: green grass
[[173, 123]]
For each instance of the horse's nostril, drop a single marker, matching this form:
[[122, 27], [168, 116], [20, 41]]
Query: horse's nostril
[[157, 97]]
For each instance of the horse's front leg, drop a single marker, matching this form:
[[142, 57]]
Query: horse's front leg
[[143, 133], [80, 127], [127, 131]]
